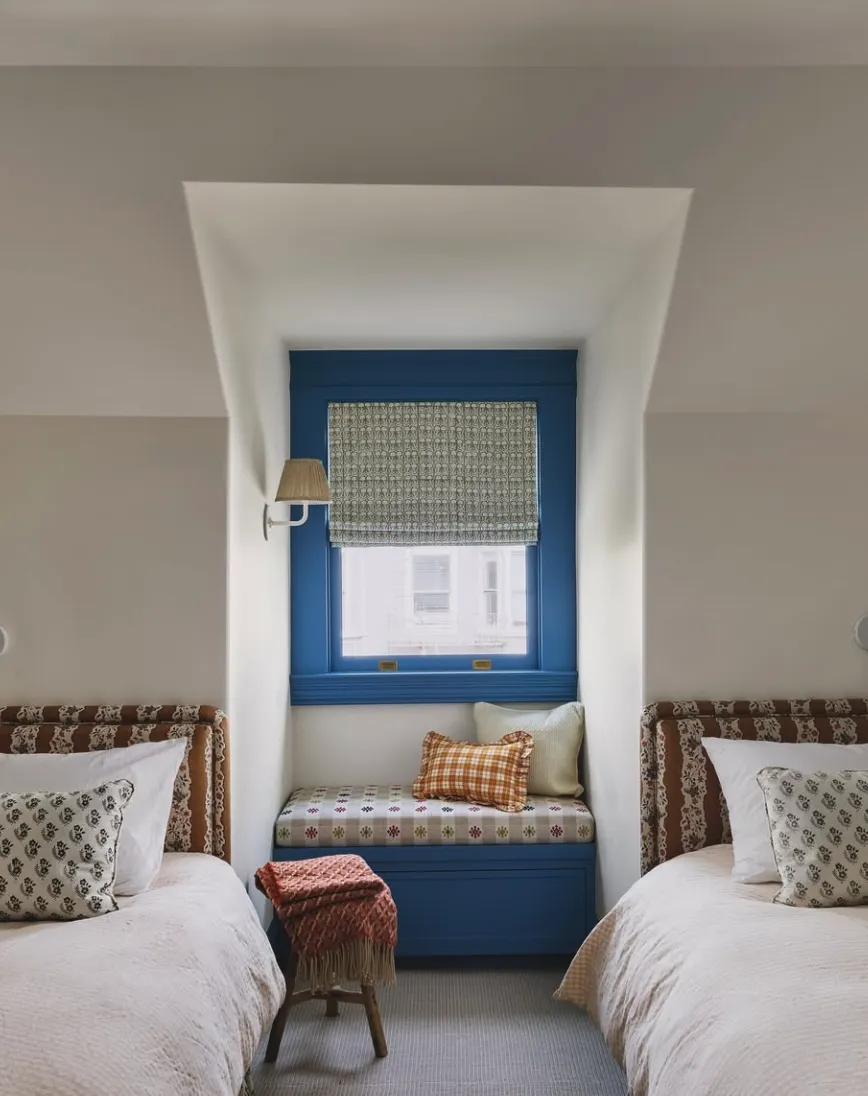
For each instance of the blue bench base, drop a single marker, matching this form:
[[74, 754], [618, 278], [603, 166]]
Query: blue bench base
[[483, 899]]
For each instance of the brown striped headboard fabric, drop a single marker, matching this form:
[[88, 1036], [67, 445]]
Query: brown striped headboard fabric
[[683, 808], [199, 820]]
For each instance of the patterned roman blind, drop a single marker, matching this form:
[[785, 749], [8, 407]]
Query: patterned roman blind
[[433, 473]]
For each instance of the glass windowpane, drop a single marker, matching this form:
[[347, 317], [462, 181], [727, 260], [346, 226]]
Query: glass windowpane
[[456, 600]]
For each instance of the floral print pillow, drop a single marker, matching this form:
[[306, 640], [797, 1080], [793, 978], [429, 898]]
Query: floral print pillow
[[819, 830], [58, 852]]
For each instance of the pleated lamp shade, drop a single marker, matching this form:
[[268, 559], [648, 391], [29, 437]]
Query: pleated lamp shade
[[303, 481]]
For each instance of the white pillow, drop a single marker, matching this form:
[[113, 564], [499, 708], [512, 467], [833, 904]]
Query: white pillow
[[151, 767], [737, 763], [557, 737]]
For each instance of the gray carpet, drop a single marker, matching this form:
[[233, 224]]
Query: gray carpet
[[450, 1033]]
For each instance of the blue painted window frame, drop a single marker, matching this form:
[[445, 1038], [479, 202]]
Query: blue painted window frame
[[319, 674]]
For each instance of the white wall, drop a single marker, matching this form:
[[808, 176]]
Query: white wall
[[102, 312], [756, 555], [113, 559], [615, 375], [370, 744], [254, 370]]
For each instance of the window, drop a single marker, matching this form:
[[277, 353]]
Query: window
[[432, 601], [504, 590], [450, 543], [489, 591], [432, 587], [518, 587]]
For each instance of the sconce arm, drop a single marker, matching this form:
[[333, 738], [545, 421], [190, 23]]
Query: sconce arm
[[269, 523]]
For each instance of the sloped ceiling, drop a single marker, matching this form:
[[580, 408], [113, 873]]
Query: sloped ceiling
[[101, 304], [448, 32]]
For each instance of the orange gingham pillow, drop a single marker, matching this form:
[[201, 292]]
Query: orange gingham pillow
[[494, 775]]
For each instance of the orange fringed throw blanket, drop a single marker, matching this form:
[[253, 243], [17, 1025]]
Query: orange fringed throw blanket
[[339, 915]]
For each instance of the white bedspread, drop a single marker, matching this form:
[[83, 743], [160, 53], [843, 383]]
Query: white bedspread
[[167, 997], [704, 987]]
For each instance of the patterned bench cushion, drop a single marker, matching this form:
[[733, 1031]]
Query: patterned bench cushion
[[389, 815]]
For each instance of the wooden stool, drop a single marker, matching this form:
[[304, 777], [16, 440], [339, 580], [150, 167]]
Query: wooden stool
[[289, 965]]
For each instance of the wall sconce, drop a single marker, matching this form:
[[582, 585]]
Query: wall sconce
[[303, 482]]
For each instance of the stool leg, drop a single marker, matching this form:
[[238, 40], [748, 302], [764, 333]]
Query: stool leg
[[289, 968], [375, 1023], [331, 1006]]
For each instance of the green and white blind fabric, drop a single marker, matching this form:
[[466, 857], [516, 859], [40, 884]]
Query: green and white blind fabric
[[433, 473]]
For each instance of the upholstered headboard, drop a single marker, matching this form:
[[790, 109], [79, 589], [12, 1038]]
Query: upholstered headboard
[[199, 821], [683, 808]]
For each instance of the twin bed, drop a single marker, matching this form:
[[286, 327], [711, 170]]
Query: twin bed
[[702, 986], [168, 996]]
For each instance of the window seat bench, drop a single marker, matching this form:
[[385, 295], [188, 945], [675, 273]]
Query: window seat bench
[[467, 880]]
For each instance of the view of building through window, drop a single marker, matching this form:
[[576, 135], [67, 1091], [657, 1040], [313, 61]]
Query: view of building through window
[[438, 600]]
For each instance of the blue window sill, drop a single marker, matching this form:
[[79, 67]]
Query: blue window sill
[[433, 688]]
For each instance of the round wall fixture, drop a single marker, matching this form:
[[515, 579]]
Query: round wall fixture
[[4, 641], [860, 632]]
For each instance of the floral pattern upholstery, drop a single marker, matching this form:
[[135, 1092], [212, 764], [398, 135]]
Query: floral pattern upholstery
[[199, 820], [682, 806], [389, 815]]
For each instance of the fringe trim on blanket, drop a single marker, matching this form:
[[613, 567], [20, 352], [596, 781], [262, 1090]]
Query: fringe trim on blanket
[[246, 1086], [357, 961]]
